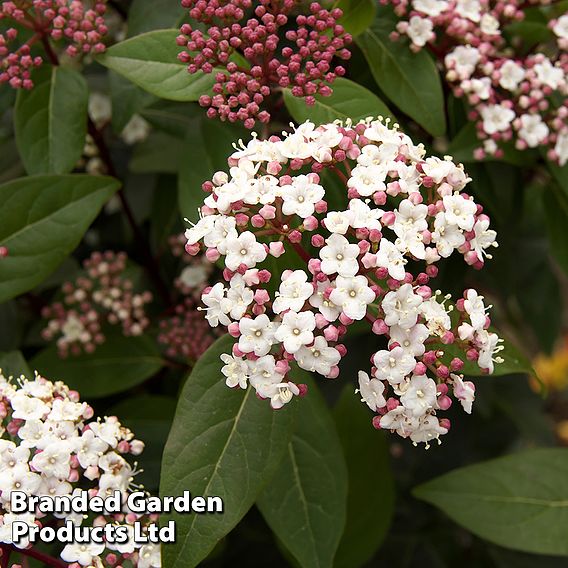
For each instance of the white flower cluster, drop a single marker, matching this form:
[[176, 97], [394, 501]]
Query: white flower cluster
[[50, 445], [398, 207]]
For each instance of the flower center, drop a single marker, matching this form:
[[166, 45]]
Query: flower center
[[339, 256], [258, 333]]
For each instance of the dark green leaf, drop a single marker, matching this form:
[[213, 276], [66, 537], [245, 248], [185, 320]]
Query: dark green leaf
[[159, 153], [206, 150], [357, 14], [223, 443], [12, 363], [144, 16], [410, 80], [556, 207], [150, 61], [117, 365], [349, 100], [51, 121], [305, 502], [518, 501], [175, 119], [370, 500], [42, 219], [10, 326]]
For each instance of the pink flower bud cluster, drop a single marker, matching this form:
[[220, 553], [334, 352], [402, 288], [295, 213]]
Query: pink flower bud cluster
[[255, 54], [512, 97], [346, 262], [79, 23], [51, 445], [104, 294]]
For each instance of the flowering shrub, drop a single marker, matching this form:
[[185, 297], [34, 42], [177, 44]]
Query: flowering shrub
[[401, 207], [51, 445], [80, 24], [304, 64], [512, 96]]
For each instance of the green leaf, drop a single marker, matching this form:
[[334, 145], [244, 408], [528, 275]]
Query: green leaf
[[518, 501], [50, 121], [150, 61], [560, 174], [144, 16], [370, 500], [349, 100], [12, 363], [207, 147], [410, 80], [358, 15], [127, 100], [42, 219], [305, 502], [556, 208], [176, 119], [158, 153], [117, 365], [225, 443]]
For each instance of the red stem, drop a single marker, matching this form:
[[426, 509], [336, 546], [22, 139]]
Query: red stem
[[32, 553]]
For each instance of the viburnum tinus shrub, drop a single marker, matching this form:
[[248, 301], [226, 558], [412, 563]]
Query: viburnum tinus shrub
[[513, 95], [373, 259], [276, 49], [79, 25], [52, 445]]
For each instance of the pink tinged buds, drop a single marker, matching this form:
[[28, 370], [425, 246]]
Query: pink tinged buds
[[376, 422], [331, 333], [456, 364], [267, 212], [443, 372], [380, 327], [333, 373], [444, 402], [261, 297], [295, 237], [3, 252], [311, 223], [257, 221], [212, 254], [448, 338], [276, 249], [420, 369], [233, 329]]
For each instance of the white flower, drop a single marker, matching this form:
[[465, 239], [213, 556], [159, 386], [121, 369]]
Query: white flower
[[496, 118], [83, 553], [389, 257], [54, 460], [419, 30], [19, 478], [222, 231], [460, 211], [428, 429], [66, 410], [89, 448], [489, 24], [470, 9], [419, 395], [475, 308], [136, 130], [362, 216], [100, 108], [437, 318], [560, 28], [236, 371], [244, 249], [561, 148], [488, 344], [239, 297], [339, 256], [402, 307], [319, 357], [337, 222], [549, 75], [11, 455], [410, 217], [326, 307], [394, 365], [436, 168], [430, 7], [371, 391], [533, 130], [296, 330], [257, 335], [264, 374], [217, 306], [463, 59], [408, 177], [149, 556], [353, 295], [410, 339], [293, 292], [283, 394], [28, 408], [263, 190], [203, 227], [396, 421], [464, 391], [7, 527], [511, 74], [194, 276], [367, 179], [447, 236], [300, 197]]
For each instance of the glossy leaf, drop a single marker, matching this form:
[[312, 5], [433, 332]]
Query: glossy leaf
[[410, 80], [370, 499], [144, 16], [223, 442], [50, 121], [150, 61], [42, 219], [349, 100], [358, 15], [518, 501], [556, 208], [305, 502], [117, 365], [12, 363]]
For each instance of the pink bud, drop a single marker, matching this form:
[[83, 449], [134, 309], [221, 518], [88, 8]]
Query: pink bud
[[380, 327], [331, 333], [277, 249], [321, 321], [295, 236], [333, 373], [233, 329], [267, 212], [258, 221], [444, 402], [311, 223], [261, 297], [212, 254], [420, 369]]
